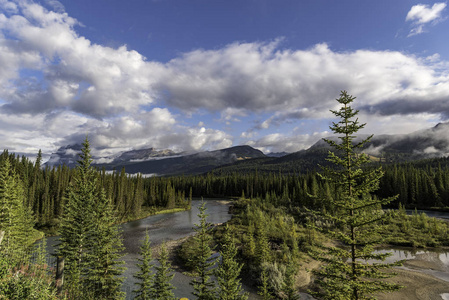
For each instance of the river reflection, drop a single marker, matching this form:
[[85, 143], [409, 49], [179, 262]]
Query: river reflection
[[174, 226], [164, 227], [167, 227], [439, 260]]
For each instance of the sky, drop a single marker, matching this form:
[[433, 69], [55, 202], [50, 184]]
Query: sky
[[196, 75]]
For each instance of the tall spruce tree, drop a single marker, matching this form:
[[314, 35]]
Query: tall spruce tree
[[228, 271], [264, 287], [204, 287], [106, 247], [78, 223], [346, 274], [145, 275], [288, 284], [89, 242], [15, 218], [162, 286]]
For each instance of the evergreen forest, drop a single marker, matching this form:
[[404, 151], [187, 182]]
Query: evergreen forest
[[281, 223]]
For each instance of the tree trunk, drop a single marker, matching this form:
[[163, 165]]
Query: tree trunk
[[59, 274]]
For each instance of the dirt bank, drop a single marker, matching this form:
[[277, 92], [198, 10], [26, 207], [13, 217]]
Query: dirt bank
[[417, 286]]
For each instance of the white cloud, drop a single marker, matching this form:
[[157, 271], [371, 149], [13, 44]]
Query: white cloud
[[396, 124], [196, 139], [56, 5], [67, 86], [248, 77], [283, 116], [8, 7], [422, 14], [101, 81]]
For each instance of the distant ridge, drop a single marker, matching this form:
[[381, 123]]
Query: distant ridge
[[67, 155], [428, 143], [144, 154], [188, 164]]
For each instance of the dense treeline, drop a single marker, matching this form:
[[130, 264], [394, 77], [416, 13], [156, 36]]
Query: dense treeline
[[418, 185], [45, 190], [421, 184]]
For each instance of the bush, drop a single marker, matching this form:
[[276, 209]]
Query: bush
[[185, 252], [31, 282]]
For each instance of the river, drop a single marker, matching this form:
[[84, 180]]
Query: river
[[431, 213], [167, 227], [163, 227], [174, 226]]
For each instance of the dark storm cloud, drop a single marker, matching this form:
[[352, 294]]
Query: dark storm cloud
[[410, 107]]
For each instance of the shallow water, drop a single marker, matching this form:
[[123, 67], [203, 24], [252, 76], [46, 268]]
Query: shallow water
[[431, 213], [174, 226], [439, 258], [167, 227], [164, 227]]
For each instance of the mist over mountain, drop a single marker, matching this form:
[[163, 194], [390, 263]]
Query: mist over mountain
[[186, 164], [277, 154], [67, 155], [145, 154], [428, 143]]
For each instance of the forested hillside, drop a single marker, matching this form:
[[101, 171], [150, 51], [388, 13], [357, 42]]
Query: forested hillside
[[45, 191], [421, 184]]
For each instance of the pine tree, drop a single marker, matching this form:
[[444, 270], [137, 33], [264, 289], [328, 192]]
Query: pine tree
[[228, 271], [264, 288], [37, 164], [78, 223], [346, 274], [162, 286], [15, 222], [145, 275], [28, 280], [89, 242], [106, 245], [250, 247], [19, 279], [263, 248], [204, 287], [288, 284]]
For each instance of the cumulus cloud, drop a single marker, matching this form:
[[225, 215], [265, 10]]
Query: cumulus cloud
[[58, 79], [261, 78], [56, 5], [74, 73], [422, 14], [8, 7]]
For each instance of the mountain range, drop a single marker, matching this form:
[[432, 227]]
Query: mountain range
[[428, 143]]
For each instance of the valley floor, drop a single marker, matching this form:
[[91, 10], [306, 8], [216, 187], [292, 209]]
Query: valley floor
[[417, 285]]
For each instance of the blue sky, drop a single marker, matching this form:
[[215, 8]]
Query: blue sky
[[201, 75]]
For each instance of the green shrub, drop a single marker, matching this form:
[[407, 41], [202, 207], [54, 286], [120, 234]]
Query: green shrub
[[31, 282]]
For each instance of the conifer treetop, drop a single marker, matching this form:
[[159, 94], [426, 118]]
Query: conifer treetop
[[353, 215]]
